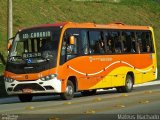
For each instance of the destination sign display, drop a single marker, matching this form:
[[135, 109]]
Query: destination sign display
[[42, 34], [31, 55]]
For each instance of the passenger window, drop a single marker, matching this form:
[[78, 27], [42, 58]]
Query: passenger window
[[84, 43], [126, 40], [113, 42], [117, 42], [133, 43], [145, 41], [109, 42], [129, 42], [96, 42], [150, 47]]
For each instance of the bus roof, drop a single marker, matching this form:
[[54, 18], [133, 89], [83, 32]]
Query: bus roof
[[117, 25]]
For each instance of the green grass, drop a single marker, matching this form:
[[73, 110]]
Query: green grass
[[33, 12]]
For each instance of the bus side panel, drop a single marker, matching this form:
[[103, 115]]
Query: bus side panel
[[103, 71], [150, 75]]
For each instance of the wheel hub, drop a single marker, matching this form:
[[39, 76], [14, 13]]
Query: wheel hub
[[129, 83], [69, 90]]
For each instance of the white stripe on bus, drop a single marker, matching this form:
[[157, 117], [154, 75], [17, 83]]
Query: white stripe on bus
[[91, 74]]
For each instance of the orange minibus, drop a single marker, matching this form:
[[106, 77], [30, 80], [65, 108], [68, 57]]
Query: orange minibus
[[67, 57]]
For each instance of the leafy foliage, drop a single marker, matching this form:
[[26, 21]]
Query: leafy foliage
[[33, 12]]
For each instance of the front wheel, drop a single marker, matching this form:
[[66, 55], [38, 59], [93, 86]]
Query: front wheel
[[128, 85], [69, 94], [25, 97]]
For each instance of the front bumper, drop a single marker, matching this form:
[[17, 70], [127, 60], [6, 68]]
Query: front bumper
[[36, 86]]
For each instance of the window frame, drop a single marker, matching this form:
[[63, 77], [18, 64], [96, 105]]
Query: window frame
[[103, 31]]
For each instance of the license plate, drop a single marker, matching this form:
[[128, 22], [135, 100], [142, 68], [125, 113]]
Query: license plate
[[27, 90]]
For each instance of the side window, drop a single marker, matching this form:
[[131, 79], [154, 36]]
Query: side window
[[126, 40], [96, 42], [113, 42], [68, 50], [109, 42], [145, 41], [150, 46], [117, 47], [129, 42], [84, 49], [72, 49], [133, 43]]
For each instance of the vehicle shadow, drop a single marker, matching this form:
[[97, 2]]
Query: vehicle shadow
[[56, 98]]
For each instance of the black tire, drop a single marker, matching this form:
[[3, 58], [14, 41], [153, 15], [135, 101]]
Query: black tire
[[88, 92], [69, 94], [128, 85], [25, 97], [119, 89]]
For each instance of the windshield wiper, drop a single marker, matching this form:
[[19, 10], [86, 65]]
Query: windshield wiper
[[46, 59], [13, 58]]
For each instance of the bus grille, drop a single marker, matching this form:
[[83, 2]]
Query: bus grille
[[33, 86]]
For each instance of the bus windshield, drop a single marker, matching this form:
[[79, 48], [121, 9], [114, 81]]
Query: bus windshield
[[35, 45]]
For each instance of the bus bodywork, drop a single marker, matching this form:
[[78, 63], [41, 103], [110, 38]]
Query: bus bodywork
[[80, 66]]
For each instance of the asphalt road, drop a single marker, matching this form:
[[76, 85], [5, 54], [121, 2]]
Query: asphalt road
[[143, 100]]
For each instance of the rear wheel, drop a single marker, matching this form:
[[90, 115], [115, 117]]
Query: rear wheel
[[69, 94], [128, 85], [25, 97], [88, 92]]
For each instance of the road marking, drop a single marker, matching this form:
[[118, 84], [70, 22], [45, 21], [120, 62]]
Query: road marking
[[90, 112], [29, 108], [148, 92], [97, 99], [144, 101], [120, 106], [67, 103], [54, 118], [124, 95]]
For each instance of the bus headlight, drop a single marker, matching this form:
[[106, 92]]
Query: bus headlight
[[10, 80], [43, 79], [49, 77]]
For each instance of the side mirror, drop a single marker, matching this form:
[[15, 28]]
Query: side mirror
[[8, 46], [71, 40], [9, 43]]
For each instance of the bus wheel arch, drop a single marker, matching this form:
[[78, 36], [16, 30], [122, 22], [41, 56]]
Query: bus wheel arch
[[132, 75], [129, 82], [71, 88], [73, 79]]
